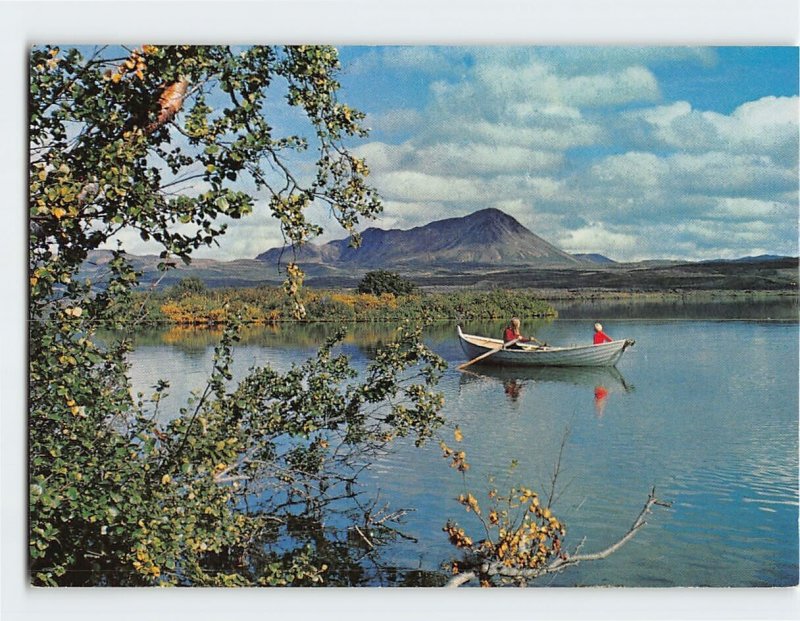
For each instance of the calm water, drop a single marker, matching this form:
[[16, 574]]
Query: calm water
[[704, 410]]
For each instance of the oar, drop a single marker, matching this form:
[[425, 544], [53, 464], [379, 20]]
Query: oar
[[486, 355]]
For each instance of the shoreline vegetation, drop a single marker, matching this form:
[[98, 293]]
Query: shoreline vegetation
[[269, 305], [196, 306]]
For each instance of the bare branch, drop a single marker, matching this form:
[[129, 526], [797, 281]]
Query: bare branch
[[363, 536], [557, 468], [459, 579], [638, 523], [559, 564]]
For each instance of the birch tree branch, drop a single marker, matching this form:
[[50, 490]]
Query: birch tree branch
[[496, 568]]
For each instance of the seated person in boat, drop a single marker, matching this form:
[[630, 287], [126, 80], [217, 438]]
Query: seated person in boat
[[512, 333], [600, 336]]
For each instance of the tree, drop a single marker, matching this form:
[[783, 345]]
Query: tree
[[161, 139], [521, 539], [383, 281], [188, 286], [132, 141]]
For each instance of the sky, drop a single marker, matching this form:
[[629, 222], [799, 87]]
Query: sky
[[634, 153]]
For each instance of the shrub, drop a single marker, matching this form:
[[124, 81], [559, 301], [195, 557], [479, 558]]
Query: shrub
[[382, 281]]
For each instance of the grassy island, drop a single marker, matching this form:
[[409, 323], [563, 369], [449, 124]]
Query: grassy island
[[268, 305]]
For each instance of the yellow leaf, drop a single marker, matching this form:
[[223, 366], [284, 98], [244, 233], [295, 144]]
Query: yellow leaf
[[458, 435], [166, 479], [59, 212]]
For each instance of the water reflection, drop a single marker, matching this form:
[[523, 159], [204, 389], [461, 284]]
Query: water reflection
[[368, 337], [600, 397], [580, 376], [696, 307], [514, 381], [712, 422]]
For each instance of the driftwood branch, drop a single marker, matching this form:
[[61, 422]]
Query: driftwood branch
[[363, 536], [459, 579], [638, 523], [495, 568]]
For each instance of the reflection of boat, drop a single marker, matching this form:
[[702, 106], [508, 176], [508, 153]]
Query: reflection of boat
[[607, 377], [603, 355]]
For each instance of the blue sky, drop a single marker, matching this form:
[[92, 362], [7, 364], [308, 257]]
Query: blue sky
[[634, 153]]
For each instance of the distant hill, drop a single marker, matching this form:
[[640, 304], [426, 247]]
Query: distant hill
[[238, 273], [598, 259], [762, 258], [487, 237], [487, 248]]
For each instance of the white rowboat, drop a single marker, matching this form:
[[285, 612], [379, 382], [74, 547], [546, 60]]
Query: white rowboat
[[603, 355]]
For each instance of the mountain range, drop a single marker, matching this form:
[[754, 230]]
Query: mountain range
[[487, 248], [485, 237]]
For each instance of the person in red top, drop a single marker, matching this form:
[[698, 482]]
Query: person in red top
[[600, 336], [512, 333]]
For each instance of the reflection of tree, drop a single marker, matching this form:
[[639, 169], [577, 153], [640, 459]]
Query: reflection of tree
[[350, 549], [299, 442], [367, 335]]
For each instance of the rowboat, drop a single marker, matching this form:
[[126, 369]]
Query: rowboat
[[602, 355]]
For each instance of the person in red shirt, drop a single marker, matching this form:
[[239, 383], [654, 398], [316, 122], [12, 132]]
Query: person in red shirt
[[600, 336], [512, 333]]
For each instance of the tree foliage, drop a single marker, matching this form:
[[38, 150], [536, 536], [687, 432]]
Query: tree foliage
[[161, 140], [168, 135], [383, 281], [519, 539], [187, 286]]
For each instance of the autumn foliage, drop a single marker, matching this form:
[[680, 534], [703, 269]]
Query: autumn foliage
[[518, 537]]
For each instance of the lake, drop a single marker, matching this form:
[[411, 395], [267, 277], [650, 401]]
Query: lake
[[704, 408]]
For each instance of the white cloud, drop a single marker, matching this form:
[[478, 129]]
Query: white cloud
[[767, 126], [539, 82], [395, 121], [578, 145], [596, 238], [528, 134], [381, 156], [244, 239], [410, 185], [747, 208], [458, 159], [405, 215], [632, 170], [482, 159], [719, 172]]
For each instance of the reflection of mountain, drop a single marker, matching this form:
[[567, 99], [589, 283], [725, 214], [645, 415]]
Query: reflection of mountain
[[610, 377]]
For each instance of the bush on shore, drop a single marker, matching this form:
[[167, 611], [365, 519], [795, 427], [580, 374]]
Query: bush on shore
[[268, 305]]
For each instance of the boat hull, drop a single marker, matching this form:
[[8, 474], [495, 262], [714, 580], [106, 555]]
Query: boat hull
[[603, 355]]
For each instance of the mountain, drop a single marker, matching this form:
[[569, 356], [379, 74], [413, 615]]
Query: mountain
[[488, 237], [762, 258], [487, 248], [595, 258]]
